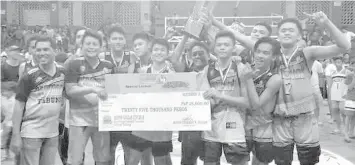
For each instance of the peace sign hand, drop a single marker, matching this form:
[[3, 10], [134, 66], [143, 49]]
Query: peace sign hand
[[319, 17]]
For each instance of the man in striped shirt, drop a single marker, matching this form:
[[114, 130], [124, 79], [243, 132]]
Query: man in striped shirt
[[84, 86], [38, 103]]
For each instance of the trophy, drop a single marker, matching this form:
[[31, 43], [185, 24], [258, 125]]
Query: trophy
[[193, 25]]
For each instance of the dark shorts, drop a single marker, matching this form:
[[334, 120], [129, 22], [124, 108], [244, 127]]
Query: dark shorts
[[191, 147], [158, 148], [119, 136], [263, 151], [234, 153]]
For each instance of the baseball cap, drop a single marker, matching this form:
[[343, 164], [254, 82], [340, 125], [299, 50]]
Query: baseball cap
[[14, 48], [19, 55]]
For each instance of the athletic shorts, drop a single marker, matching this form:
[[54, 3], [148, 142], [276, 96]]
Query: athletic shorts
[[158, 148], [234, 152], [349, 105], [302, 130], [259, 141], [191, 146]]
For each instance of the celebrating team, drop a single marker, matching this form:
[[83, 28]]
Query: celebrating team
[[262, 103]]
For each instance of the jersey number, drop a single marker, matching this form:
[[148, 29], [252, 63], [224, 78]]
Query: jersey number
[[288, 88]]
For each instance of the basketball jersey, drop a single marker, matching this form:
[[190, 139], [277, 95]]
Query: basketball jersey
[[258, 117], [296, 93], [122, 66], [227, 121], [138, 64], [339, 88]]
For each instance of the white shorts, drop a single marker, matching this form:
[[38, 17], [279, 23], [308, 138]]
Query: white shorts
[[349, 105]]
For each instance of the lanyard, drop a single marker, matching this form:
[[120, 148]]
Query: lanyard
[[114, 60], [224, 76], [262, 74], [287, 62]]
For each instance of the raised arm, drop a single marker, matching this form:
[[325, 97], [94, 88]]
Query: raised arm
[[179, 65], [245, 40], [323, 52]]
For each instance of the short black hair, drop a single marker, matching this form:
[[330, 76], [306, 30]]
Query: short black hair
[[200, 44], [161, 41], [225, 33], [266, 25], [78, 29], [32, 38], [338, 58], [115, 28], [276, 47], [291, 20], [61, 57], [45, 38], [93, 34], [142, 35]]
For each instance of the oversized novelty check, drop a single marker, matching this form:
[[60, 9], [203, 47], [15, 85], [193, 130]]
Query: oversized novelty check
[[172, 111], [159, 102]]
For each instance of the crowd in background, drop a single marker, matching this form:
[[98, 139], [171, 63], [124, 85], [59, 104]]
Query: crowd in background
[[18, 49]]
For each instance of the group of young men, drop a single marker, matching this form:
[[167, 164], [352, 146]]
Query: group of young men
[[262, 103]]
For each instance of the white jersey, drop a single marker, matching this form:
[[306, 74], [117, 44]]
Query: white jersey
[[339, 88]]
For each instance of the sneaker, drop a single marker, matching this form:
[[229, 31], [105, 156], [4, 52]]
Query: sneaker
[[335, 132]]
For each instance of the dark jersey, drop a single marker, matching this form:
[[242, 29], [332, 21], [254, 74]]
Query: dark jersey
[[122, 66], [256, 117], [9, 73], [81, 72], [43, 95]]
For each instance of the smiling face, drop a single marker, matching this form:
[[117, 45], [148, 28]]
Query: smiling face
[[45, 53], [199, 56], [117, 41], [258, 32], [289, 34], [91, 46], [263, 55], [159, 53]]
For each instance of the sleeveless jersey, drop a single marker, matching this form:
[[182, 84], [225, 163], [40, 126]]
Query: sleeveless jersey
[[139, 65], [119, 67], [227, 121], [339, 87], [296, 94], [257, 117]]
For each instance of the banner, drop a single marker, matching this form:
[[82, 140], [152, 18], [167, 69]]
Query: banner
[[172, 111], [147, 82]]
